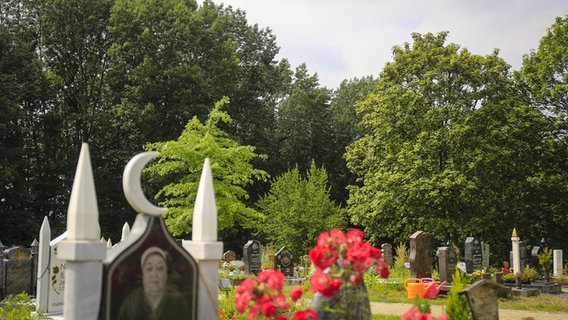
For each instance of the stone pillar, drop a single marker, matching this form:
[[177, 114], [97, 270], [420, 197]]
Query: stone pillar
[[516, 252], [387, 254], [43, 266], [204, 246], [558, 266], [82, 249]]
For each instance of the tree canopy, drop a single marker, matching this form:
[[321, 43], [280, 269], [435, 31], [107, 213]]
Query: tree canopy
[[182, 161], [449, 147], [298, 208]]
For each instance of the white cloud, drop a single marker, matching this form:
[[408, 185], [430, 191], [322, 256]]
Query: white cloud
[[346, 39]]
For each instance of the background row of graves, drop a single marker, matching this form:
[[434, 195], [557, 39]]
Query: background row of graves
[[19, 268]]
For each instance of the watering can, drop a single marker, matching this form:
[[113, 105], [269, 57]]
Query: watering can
[[432, 289], [415, 288]]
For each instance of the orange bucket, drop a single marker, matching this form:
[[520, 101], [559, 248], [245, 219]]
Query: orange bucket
[[414, 288]]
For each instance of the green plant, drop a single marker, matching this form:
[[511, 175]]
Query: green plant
[[456, 305], [509, 278], [19, 307], [529, 275], [545, 260], [401, 256]]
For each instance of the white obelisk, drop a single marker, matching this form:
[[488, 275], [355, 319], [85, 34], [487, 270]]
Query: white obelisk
[[204, 246], [82, 249], [43, 266], [516, 252]]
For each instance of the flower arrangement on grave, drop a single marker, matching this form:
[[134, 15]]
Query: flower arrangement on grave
[[340, 261], [545, 261], [421, 311]]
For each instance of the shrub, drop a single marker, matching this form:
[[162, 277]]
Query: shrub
[[456, 305], [19, 307]]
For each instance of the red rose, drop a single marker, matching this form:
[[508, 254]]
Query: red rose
[[309, 314], [269, 308], [296, 293]]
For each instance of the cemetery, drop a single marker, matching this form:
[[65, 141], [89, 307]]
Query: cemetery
[[79, 275]]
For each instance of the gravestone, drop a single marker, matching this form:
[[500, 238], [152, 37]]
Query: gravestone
[[252, 256], [420, 255], [473, 256], [18, 270], [34, 249], [482, 299], [149, 247], [229, 256], [447, 262], [557, 265], [387, 254], [485, 254], [56, 274], [1, 270], [535, 251], [284, 261]]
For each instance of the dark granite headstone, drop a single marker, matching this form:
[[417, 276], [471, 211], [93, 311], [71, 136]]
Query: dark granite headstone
[[284, 261], [473, 255], [18, 271], [149, 257], [522, 254], [252, 256], [1, 270], [535, 251], [420, 255], [447, 261], [356, 297], [387, 254]]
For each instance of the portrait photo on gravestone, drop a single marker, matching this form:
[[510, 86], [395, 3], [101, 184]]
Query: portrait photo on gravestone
[[154, 280]]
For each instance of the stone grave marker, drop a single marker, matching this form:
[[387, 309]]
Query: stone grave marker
[[485, 254], [34, 249], [284, 261], [557, 264], [420, 255], [1, 270], [18, 270], [252, 256], [447, 263], [150, 249], [56, 276], [473, 255], [229, 256], [523, 256], [535, 251], [387, 254], [482, 299]]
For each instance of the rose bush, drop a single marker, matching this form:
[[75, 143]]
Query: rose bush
[[340, 261]]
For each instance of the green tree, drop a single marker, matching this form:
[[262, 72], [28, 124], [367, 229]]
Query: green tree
[[544, 73], [343, 124], [448, 146], [182, 161], [544, 79], [302, 123], [297, 209]]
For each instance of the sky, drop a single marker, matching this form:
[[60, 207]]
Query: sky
[[346, 39]]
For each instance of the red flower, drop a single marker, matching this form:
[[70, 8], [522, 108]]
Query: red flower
[[355, 279], [269, 308], [274, 279], [296, 293], [320, 282], [309, 314], [322, 257], [384, 270]]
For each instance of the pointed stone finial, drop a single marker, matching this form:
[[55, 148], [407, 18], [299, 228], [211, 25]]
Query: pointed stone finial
[[83, 212], [125, 231], [103, 240], [35, 243], [109, 244], [514, 235], [205, 210]]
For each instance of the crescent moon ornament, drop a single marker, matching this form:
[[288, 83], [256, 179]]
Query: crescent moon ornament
[[131, 184]]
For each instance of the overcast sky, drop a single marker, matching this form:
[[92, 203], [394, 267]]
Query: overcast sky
[[341, 39]]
